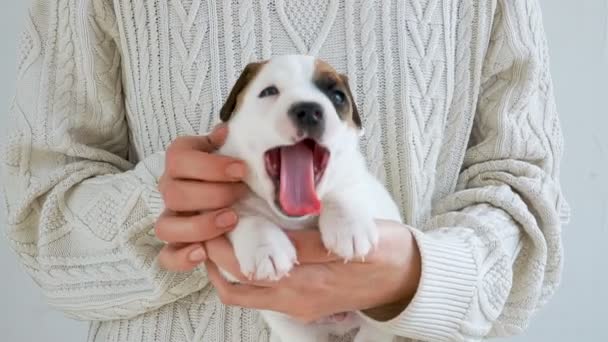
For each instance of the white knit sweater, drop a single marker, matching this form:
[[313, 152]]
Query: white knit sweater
[[460, 121]]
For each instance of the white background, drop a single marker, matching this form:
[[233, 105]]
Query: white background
[[578, 39]]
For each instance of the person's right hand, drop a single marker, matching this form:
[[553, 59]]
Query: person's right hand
[[197, 188]]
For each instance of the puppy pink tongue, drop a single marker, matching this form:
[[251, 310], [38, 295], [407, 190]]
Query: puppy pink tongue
[[297, 195]]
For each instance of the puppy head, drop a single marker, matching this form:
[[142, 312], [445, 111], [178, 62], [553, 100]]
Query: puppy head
[[291, 119]]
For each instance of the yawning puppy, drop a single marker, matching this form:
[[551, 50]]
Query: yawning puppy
[[293, 120]]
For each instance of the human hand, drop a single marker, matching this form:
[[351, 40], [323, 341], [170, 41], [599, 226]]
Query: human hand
[[197, 188], [323, 285]]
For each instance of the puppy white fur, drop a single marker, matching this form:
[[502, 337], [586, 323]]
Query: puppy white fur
[[351, 197]]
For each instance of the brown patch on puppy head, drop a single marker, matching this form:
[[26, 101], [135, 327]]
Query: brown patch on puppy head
[[333, 85], [234, 98]]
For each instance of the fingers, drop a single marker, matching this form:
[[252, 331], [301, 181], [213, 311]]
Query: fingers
[[190, 158], [196, 165], [208, 143], [310, 247], [221, 253], [196, 196], [242, 295], [180, 257], [174, 228]]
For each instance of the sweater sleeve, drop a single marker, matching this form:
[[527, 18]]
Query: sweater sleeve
[[492, 252], [80, 215]]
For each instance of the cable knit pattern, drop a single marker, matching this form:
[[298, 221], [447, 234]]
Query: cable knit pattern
[[461, 125]]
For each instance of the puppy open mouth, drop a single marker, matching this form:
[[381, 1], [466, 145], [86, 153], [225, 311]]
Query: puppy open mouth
[[296, 170]]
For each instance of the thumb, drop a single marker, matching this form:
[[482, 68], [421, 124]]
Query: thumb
[[206, 143], [216, 138], [310, 247]]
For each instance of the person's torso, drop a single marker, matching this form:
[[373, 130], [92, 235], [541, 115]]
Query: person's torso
[[413, 66]]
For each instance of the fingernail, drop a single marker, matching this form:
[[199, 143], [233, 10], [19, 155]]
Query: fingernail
[[197, 255], [236, 170], [226, 219]]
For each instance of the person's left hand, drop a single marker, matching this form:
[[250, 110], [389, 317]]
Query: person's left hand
[[323, 285]]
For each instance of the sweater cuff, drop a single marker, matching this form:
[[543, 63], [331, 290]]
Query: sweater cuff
[[150, 170], [156, 205], [447, 284]]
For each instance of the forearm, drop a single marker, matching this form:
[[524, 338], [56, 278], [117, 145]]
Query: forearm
[[491, 252], [80, 215], [89, 241]]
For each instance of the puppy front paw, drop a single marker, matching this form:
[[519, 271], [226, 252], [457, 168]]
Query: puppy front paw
[[348, 234], [272, 260], [263, 250]]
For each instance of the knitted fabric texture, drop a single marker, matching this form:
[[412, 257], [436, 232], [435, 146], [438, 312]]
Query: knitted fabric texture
[[456, 99]]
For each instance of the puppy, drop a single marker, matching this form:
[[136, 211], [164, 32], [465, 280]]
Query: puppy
[[293, 120]]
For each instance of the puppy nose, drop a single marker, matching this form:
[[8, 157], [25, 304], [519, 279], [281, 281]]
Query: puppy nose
[[306, 115]]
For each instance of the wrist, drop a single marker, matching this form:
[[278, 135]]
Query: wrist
[[408, 272], [413, 274]]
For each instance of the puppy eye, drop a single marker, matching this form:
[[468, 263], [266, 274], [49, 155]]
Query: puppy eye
[[270, 91], [338, 97]]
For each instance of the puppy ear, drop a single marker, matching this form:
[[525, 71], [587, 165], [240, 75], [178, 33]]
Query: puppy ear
[[247, 75], [355, 111]]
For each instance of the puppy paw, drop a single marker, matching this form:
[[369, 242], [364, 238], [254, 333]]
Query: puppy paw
[[264, 253], [350, 235], [271, 261]]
